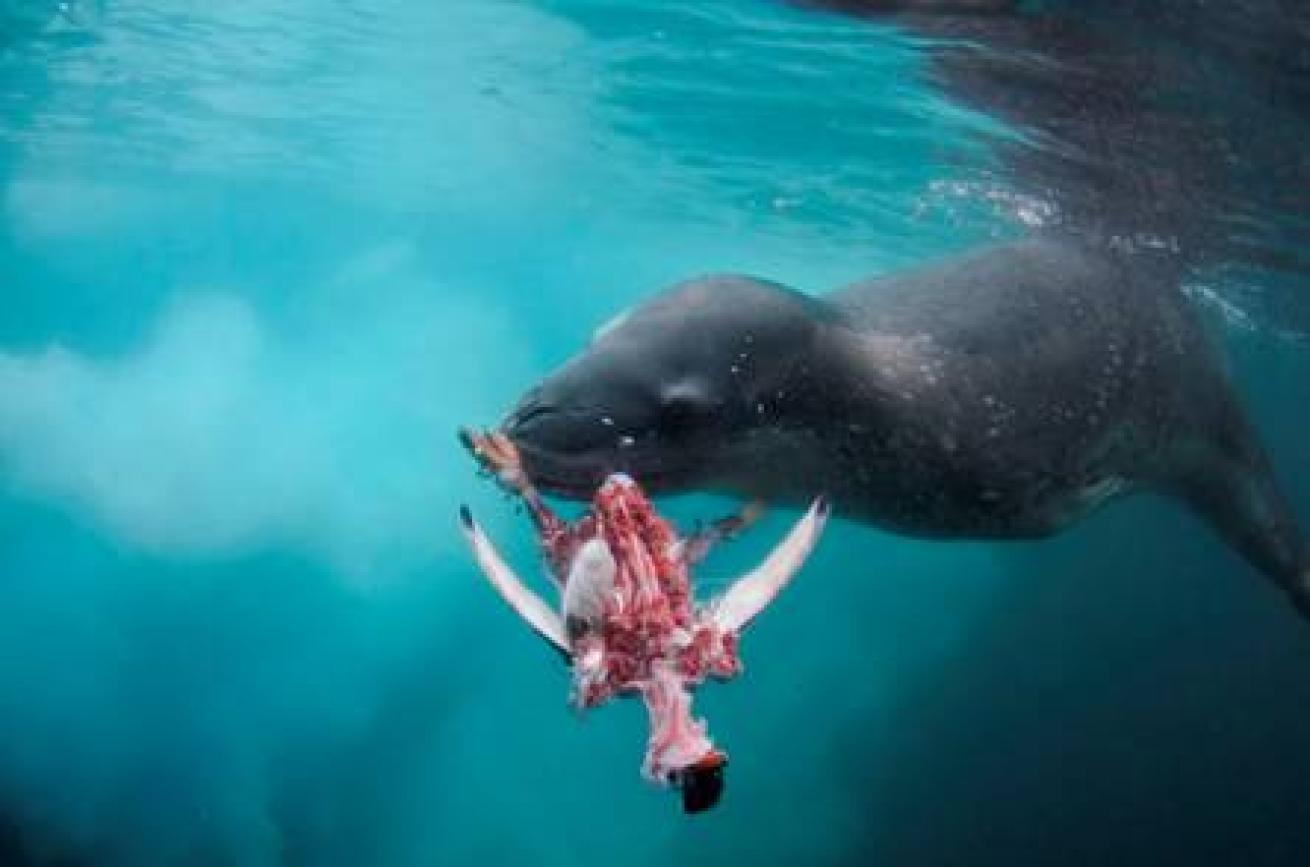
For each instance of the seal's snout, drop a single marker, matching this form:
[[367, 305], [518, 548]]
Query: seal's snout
[[563, 447], [530, 406], [545, 427], [524, 417]]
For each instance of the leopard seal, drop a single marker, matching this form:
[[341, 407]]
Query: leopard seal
[[1002, 394]]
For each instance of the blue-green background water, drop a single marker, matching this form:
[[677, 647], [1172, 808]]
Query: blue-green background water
[[260, 259]]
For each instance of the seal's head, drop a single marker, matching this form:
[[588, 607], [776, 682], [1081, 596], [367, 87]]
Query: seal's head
[[664, 391]]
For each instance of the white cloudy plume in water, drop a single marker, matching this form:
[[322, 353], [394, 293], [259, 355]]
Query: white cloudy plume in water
[[253, 632], [231, 582], [225, 432]]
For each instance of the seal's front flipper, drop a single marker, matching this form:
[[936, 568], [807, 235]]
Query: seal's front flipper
[[696, 547]]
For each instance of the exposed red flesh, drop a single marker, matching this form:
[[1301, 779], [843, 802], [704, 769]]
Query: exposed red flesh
[[649, 641], [634, 627]]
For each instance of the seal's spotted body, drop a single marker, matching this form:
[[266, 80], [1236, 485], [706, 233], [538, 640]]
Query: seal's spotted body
[[1003, 394]]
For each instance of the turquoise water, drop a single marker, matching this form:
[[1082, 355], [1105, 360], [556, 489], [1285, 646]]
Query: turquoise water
[[261, 259]]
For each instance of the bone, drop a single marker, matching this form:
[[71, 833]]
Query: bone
[[677, 739]]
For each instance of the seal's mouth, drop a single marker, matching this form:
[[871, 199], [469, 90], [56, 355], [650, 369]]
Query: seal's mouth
[[568, 452], [516, 464], [567, 475], [578, 476], [571, 452]]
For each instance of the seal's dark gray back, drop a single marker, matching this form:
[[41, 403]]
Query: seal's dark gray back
[[1087, 351]]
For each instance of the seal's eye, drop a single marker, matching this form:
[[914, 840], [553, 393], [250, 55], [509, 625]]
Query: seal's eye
[[681, 416], [685, 408]]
